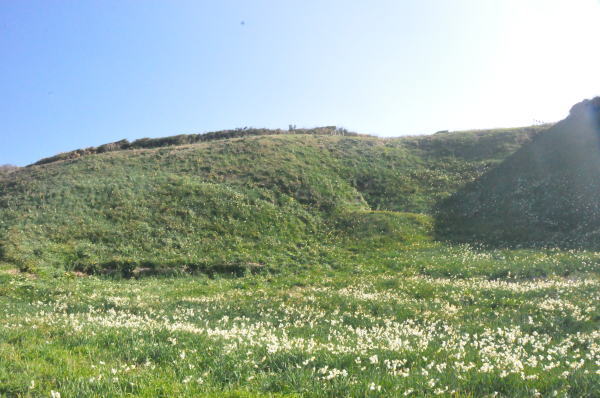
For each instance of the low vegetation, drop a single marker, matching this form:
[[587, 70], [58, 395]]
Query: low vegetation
[[545, 194], [7, 169], [305, 263], [416, 318], [259, 202]]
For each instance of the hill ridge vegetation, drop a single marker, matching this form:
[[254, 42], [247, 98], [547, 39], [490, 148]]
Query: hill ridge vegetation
[[544, 194], [272, 200], [185, 139]]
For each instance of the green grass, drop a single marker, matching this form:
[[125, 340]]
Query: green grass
[[257, 202], [419, 316], [284, 265], [545, 194]]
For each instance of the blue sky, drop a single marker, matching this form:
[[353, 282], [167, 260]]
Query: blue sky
[[82, 73]]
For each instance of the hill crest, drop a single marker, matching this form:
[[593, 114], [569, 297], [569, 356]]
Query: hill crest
[[185, 139]]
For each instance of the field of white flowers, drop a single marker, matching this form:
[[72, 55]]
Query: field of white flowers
[[333, 333]]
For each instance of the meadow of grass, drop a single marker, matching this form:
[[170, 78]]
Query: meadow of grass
[[285, 265], [410, 318]]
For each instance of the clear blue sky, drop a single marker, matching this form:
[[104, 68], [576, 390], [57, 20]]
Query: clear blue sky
[[82, 73]]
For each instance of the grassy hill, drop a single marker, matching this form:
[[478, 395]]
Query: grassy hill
[[234, 201], [346, 292], [545, 194]]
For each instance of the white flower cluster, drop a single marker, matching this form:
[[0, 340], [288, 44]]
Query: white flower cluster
[[429, 345]]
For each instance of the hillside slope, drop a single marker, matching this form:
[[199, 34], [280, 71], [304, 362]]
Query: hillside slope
[[234, 204], [545, 194]]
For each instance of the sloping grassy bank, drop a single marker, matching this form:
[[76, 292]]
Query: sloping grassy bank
[[235, 205], [545, 194]]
